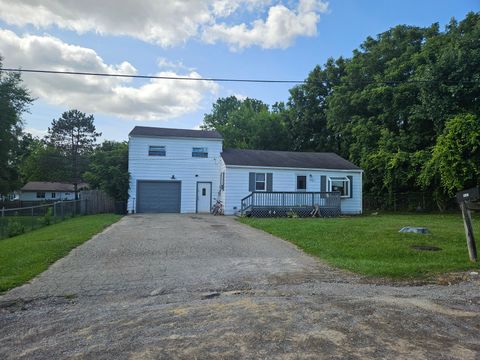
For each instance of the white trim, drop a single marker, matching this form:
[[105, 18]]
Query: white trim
[[174, 137], [291, 168]]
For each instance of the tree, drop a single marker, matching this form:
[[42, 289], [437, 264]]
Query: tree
[[14, 101], [108, 169], [247, 124], [456, 155], [44, 162], [74, 134]]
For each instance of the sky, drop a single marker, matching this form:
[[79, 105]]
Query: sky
[[264, 39]]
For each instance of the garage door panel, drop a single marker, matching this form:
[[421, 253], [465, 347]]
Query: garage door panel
[[158, 196]]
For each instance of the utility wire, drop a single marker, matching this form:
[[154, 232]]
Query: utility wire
[[151, 76], [183, 78]]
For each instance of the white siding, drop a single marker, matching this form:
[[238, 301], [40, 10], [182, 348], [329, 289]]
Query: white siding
[[32, 196], [236, 185], [178, 162]]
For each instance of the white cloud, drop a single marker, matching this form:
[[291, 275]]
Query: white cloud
[[279, 30], [155, 99], [36, 132], [173, 22]]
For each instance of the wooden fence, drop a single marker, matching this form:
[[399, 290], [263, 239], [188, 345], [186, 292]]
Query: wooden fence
[[96, 201]]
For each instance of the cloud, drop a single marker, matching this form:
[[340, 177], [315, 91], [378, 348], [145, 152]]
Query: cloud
[[36, 132], [279, 30], [173, 22], [151, 100]]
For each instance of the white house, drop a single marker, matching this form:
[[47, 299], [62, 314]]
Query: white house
[[45, 190], [186, 171]]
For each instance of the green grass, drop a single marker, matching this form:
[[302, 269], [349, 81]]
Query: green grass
[[372, 245], [24, 256]]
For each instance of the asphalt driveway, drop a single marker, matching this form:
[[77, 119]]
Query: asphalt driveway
[[185, 286]]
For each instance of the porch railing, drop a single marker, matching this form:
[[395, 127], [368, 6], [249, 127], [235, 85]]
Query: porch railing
[[279, 202]]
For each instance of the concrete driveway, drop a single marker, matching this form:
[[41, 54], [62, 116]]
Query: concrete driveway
[[185, 286]]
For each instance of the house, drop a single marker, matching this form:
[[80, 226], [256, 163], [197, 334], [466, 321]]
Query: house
[[45, 190], [186, 171]]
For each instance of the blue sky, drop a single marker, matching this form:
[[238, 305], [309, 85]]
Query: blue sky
[[217, 38]]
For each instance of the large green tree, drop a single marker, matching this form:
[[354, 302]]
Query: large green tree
[[108, 169], [247, 124], [74, 134], [14, 101]]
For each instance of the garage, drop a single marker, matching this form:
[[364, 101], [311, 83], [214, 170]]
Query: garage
[[158, 196]]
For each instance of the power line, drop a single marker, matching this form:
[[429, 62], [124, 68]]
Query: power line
[[281, 81], [152, 76]]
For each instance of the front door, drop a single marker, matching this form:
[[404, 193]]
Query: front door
[[204, 197]]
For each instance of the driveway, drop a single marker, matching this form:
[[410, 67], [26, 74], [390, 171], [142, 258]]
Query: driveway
[[188, 286]]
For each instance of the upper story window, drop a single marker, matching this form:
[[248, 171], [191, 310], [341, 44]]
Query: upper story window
[[340, 184], [40, 195], [156, 151], [201, 152]]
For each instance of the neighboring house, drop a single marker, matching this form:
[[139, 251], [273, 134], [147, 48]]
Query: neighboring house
[[186, 171], [44, 190]]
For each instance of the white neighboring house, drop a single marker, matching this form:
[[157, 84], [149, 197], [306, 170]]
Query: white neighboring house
[[49, 191], [186, 171]]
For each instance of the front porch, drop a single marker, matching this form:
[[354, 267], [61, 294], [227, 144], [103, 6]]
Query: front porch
[[281, 204]]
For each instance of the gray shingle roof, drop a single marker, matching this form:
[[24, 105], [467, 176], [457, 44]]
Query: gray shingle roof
[[51, 186], [179, 133], [286, 159]]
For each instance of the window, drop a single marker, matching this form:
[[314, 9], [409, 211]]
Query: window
[[54, 195], [40, 195], [222, 181], [201, 152], [156, 151], [302, 182], [260, 182], [340, 184]]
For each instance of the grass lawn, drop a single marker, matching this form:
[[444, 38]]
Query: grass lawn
[[24, 256], [372, 245]]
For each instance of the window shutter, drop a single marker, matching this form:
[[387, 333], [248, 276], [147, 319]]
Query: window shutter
[[323, 183], [251, 182], [269, 182], [351, 184]]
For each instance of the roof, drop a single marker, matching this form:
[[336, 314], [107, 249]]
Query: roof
[[286, 159], [177, 133], [51, 186]]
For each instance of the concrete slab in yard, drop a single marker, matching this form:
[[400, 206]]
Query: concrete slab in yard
[[186, 286]]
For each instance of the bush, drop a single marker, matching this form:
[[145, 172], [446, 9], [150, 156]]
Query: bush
[[15, 228], [47, 218]]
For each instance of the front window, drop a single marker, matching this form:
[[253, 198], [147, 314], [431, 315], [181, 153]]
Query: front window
[[156, 151], [201, 152], [301, 182], [340, 184], [40, 195], [54, 195], [260, 184]]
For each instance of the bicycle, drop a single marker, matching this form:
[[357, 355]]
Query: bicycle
[[217, 209]]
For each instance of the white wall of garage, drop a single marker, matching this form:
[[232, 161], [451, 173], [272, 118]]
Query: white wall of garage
[[177, 162]]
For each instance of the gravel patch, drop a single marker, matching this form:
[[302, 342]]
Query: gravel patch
[[183, 286]]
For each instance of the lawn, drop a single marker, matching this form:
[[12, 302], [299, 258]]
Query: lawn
[[24, 256], [372, 245]]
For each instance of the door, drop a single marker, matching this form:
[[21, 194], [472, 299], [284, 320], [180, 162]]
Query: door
[[204, 197], [158, 196]]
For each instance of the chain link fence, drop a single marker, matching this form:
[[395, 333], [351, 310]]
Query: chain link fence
[[407, 202], [17, 221]]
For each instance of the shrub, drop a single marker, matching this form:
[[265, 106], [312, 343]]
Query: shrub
[[15, 228], [47, 218]]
